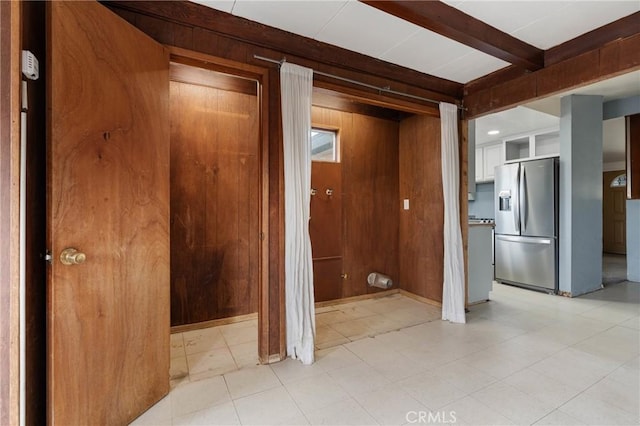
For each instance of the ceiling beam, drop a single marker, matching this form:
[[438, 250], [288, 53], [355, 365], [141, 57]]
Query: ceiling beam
[[622, 28], [452, 23], [615, 58], [256, 37]]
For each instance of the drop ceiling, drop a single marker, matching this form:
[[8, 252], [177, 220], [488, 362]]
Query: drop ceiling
[[358, 27], [364, 29]]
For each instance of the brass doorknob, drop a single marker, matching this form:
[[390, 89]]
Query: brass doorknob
[[71, 256]]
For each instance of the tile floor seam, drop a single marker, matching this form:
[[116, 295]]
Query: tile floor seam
[[235, 408], [295, 402], [514, 422], [492, 325], [365, 410], [599, 381]]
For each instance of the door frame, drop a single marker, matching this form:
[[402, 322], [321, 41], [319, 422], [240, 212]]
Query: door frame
[[261, 75], [10, 45]]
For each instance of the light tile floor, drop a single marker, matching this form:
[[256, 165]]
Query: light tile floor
[[522, 358], [209, 352]]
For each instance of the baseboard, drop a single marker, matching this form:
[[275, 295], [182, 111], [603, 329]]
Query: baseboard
[[420, 298], [213, 323], [368, 296]]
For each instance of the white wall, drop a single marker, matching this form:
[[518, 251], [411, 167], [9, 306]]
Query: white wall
[[633, 240]]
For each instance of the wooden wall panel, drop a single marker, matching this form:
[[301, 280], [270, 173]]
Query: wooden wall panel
[[421, 238], [214, 203], [369, 157], [633, 156], [370, 182]]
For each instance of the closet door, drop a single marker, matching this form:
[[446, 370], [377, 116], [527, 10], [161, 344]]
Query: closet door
[[107, 217]]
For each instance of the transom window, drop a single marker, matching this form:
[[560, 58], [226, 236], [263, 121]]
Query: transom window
[[618, 181]]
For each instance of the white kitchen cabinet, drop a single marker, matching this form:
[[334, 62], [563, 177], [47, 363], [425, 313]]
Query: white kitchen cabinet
[[487, 158], [492, 158], [479, 166], [541, 144]]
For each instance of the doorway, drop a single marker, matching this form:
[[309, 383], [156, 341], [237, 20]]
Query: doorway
[[214, 195], [215, 220], [614, 229]]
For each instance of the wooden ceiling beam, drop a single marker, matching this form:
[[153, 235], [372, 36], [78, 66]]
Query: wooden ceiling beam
[[615, 58], [618, 47], [452, 23], [245, 31], [622, 28]]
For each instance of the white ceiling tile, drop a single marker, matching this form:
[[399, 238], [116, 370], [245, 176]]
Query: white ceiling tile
[[425, 51], [223, 5], [585, 16], [509, 16], [512, 122], [473, 65], [303, 17], [367, 30]]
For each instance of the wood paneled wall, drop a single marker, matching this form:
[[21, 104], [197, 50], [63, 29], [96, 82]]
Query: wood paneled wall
[[421, 238], [191, 27], [369, 157], [214, 203]]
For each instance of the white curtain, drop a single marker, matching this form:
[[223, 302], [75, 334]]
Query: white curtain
[[296, 88], [453, 285]]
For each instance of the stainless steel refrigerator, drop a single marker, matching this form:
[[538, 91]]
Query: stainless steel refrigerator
[[526, 230]]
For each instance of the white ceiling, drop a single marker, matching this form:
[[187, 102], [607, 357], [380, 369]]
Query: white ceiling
[[542, 23], [545, 24], [544, 113], [361, 28], [512, 122]]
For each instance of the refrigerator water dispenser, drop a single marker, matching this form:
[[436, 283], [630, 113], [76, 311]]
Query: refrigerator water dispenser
[[504, 203]]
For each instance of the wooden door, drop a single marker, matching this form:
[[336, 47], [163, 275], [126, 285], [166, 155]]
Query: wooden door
[[107, 197], [325, 230], [614, 215]]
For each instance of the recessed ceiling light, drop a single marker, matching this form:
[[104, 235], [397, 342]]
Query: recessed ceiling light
[[493, 132]]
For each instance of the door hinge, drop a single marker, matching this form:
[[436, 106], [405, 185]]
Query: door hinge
[[262, 236]]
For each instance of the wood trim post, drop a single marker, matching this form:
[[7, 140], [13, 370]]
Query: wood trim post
[[10, 15], [633, 156]]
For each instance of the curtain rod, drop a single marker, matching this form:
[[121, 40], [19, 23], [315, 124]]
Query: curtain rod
[[386, 89]]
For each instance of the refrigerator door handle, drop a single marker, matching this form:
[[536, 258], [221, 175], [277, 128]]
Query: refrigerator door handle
[[545, 241], [523, 198], [516, 204]]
